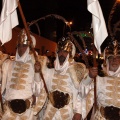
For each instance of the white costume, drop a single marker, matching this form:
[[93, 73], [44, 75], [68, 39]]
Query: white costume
[[20, 82], [108, 93], [63, 80], [108, 96]]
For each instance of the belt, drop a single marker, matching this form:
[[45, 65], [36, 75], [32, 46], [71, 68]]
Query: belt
[[59, 99], [19, 105], [110, 112]]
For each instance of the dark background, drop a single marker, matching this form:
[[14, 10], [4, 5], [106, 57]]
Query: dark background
[[71, 10]]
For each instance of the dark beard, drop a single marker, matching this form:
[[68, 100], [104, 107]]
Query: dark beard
[[61, 59]]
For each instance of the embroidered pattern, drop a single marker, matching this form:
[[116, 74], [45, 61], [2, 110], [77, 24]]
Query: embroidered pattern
[[113, 92], [60, 82], [50, 112], [40, 101], [64, 114], [88, 101], [20, 72]]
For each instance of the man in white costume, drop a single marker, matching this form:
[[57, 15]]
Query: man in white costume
[[22, 88], [63, 81], [108, 89]]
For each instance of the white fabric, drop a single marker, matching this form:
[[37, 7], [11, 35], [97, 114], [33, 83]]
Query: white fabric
[[98, 23], [24, 58], [33, 40], [32, 80], [18, 94], [29, 115], [60, 79], [61, 68], [107, 90], [84, 89], [73, 50], [8, 20], [111, 73], [68, 87], [32, 84], [103, 97]]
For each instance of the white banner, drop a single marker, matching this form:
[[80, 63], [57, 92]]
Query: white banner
[[8, 19], [98, 23]]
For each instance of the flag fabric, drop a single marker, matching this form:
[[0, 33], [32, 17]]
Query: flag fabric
[[8, 19], [98, 23]]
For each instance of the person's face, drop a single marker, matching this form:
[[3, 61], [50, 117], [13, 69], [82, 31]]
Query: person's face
[[114, 62], [62, 56], [21, 49]]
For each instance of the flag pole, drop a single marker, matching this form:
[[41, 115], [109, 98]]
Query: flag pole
[[100, 34], [95, 85], [33, 50], [94, 65], [26, 27]]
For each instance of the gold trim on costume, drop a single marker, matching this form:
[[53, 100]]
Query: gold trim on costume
[[59, 81], [61, 76], [17, 87], [18, 81], [23, 117], [113, 102], [26, 65], [65, 117], [63, 110], [64, 114], [23, 70], [77, 72], [54, 87], [40, 101], [20, 72], [88, 101], [51, 113], [20, 75], [113, 88]]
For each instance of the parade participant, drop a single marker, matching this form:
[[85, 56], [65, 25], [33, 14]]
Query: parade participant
[[22, 88], [63, 81], [108, 92]]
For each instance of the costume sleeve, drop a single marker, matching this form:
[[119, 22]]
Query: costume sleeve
[[85, 86], [37, 84], [39, 92], [78, 73], [40, 101], [84, 100], [87, 103], [78, 106], [4, 73]]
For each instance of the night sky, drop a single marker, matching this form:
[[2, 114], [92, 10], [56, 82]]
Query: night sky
[[71, 10]]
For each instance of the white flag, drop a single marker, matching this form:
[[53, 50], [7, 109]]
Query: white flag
[[8, 19], [98, 23]]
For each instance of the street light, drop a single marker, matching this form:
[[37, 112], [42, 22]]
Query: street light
[[67, 24]]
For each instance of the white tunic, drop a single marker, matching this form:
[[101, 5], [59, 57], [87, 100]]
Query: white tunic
[[108, 94], [60, 79], [19, 81]]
